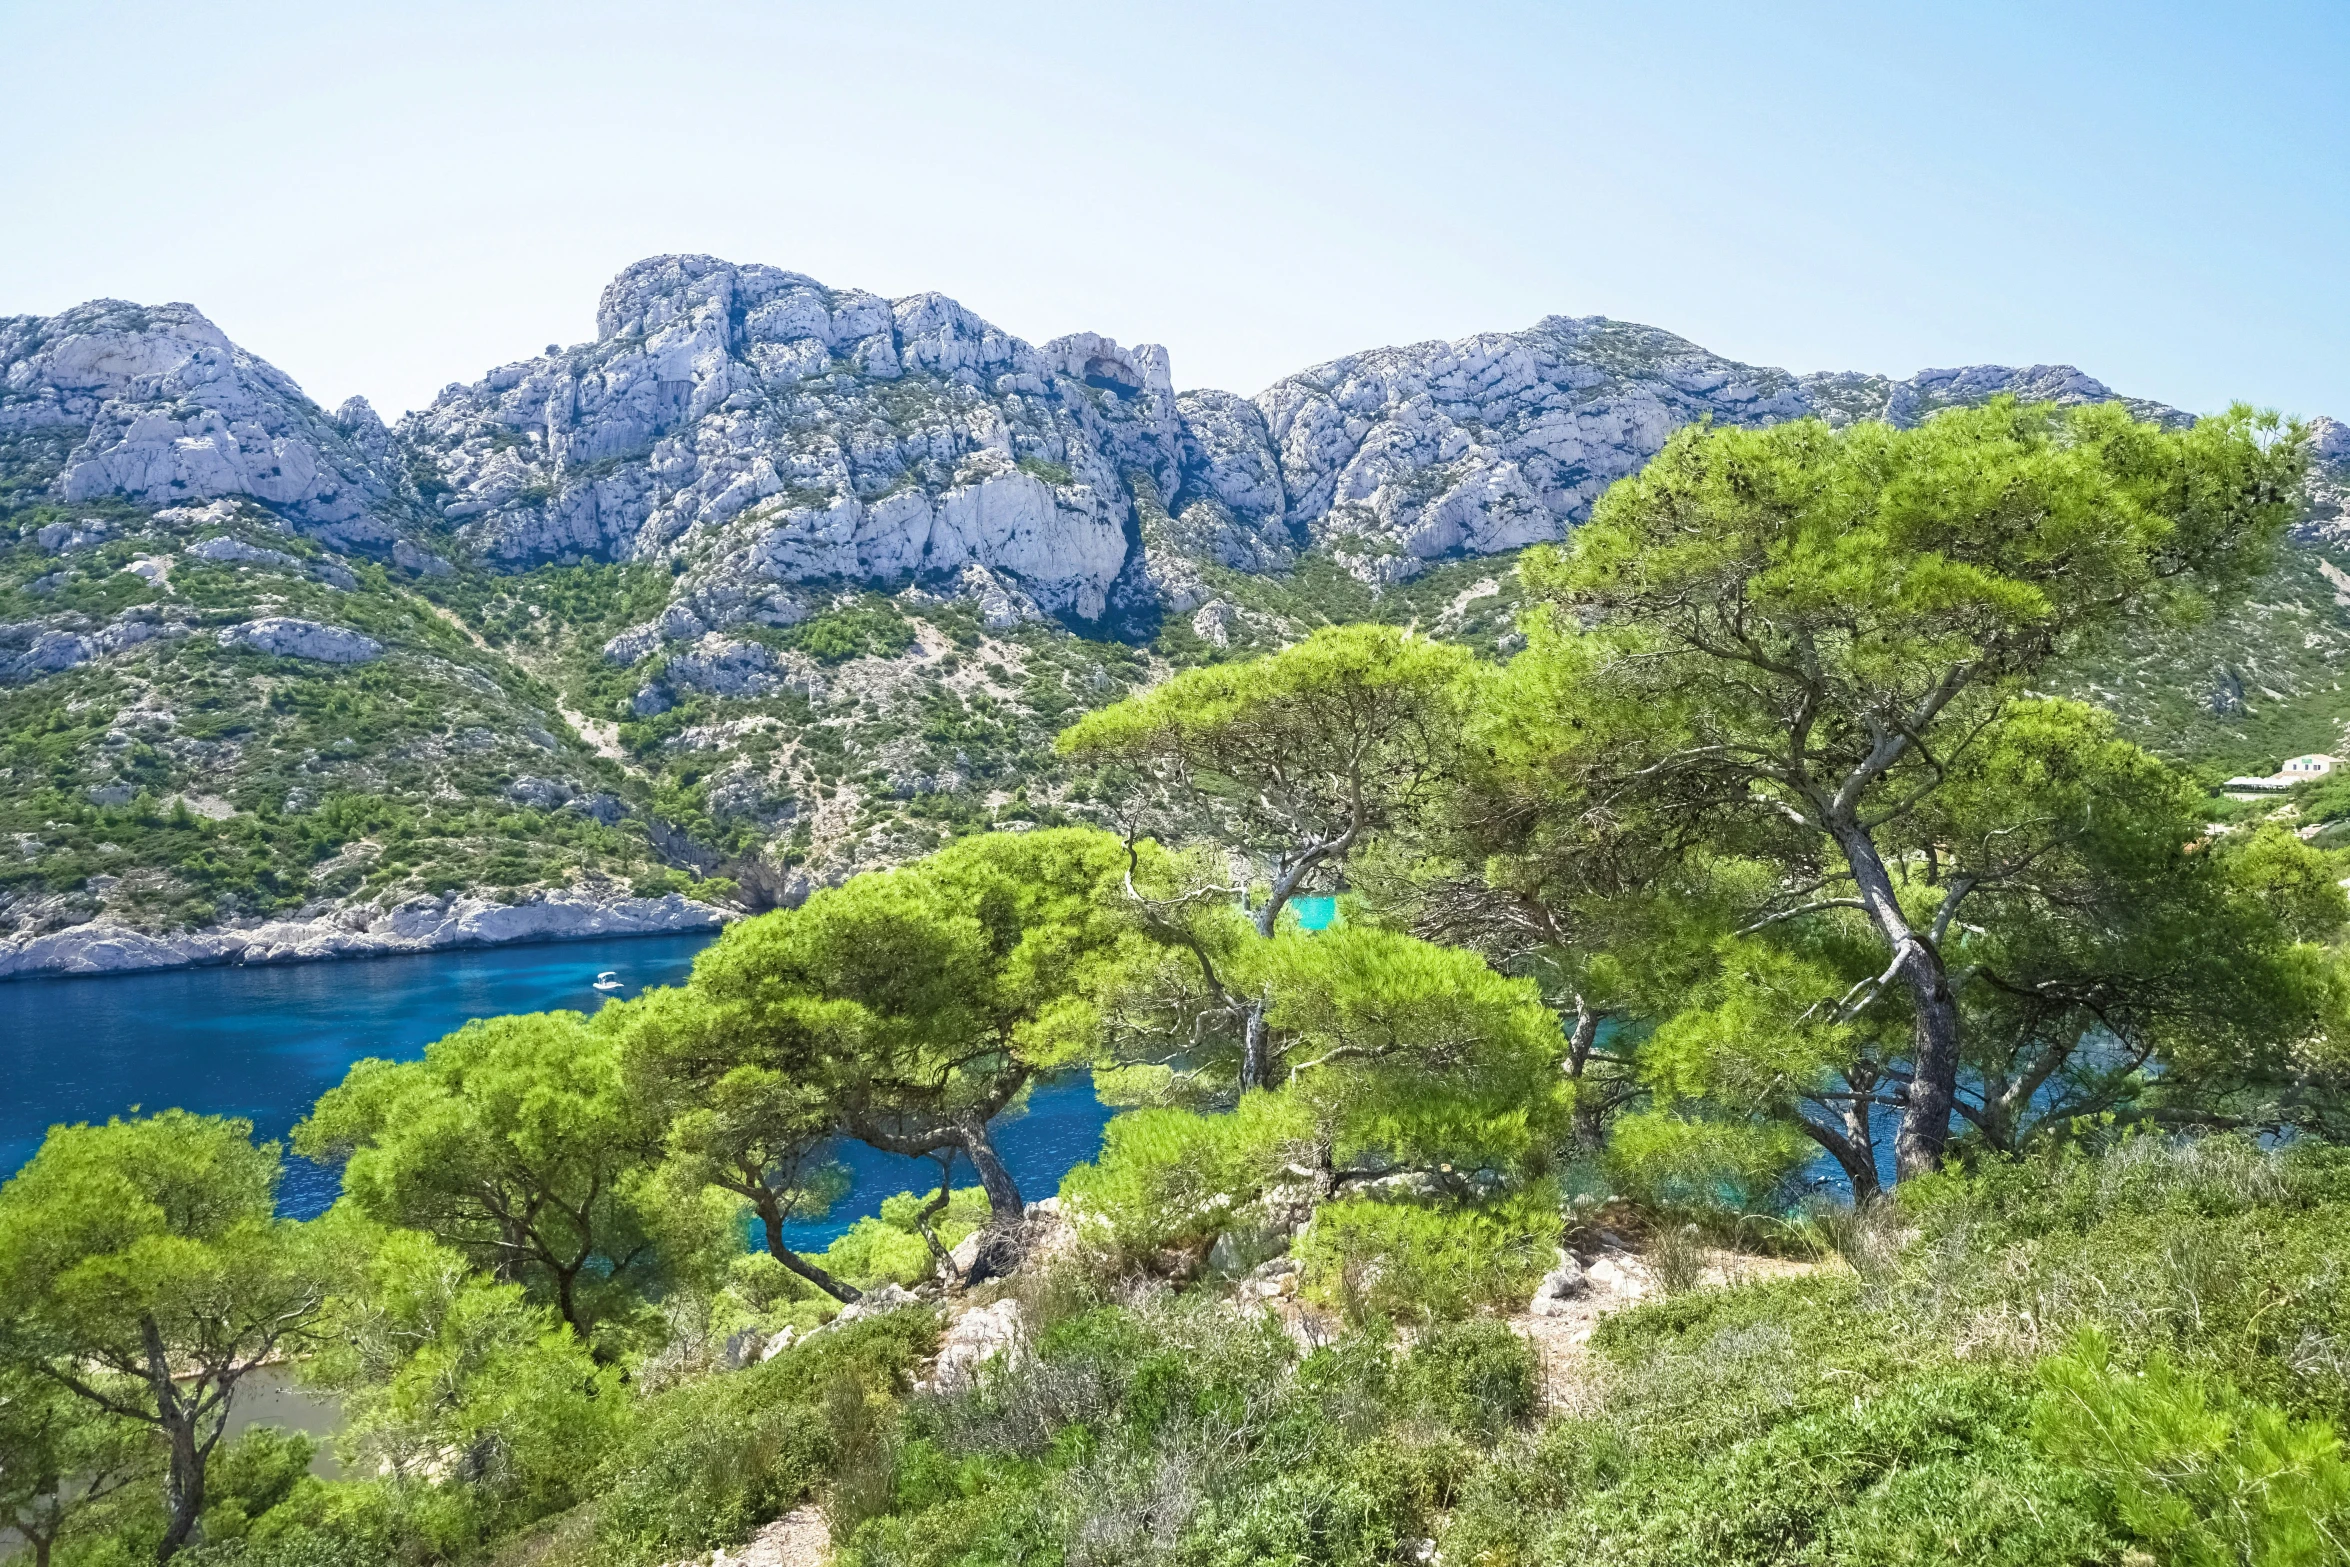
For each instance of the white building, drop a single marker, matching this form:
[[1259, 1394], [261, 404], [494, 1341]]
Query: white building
[[2297, 770]]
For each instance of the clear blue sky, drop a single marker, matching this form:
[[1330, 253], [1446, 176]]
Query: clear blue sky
[[383, 199]]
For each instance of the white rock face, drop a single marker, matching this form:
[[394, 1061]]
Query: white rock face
[[633, 646], [888, 1298], [218, 514], [228, 549], [288, 637], [1001, 604], [423, 924], [724, 666], [424, 563], [1506, 439], [162, 408], [972, 1340], [2329, 481], [1560, 1285], [30, 650], [767, 429], [59, 537], [759, 428], [770, 438]]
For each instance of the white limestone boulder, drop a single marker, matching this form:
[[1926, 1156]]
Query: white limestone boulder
[[225, 550], [289, 637]]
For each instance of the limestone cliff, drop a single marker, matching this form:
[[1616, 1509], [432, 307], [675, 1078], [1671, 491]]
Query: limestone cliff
[[157, 406], [770, 439]]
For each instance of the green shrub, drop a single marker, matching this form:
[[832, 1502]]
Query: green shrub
[[2072, 1189], [2190, 1467], [248, 1477], [1935, 1469], [1186, 1432], [872, 628], [711, 1460], [889, 1249], [1168, 1176], [1476, 1377], [1417, 1262], [1673, 1162]]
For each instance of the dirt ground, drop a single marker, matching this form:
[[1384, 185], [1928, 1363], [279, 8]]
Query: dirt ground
[[800, 1538]]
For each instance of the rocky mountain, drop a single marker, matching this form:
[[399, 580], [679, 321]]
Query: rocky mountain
[[759, 432], [2329, 482], [769, 582], [156, 406]]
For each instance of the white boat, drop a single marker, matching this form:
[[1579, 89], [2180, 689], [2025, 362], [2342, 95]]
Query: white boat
[[609, 980]]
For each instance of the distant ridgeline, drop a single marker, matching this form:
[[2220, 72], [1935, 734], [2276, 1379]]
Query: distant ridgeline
[[772, 581]]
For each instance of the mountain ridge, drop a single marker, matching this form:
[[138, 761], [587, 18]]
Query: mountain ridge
[[770, 431]]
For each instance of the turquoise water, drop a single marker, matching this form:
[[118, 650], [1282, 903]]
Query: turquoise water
[[264, 1042]]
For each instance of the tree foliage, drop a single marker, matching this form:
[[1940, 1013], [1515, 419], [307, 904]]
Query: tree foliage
[[514, 1142], [147, 1275], [1307, 753], [921, 1003], [743, 1114], [1810, 648]]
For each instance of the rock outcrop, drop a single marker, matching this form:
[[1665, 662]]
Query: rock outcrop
[[971, 1340], [225, 549], [1400, 456], [155, 404], [289, 637], [759, 429], [2329, 482], [767, 430], [422, 924], [32, 649]]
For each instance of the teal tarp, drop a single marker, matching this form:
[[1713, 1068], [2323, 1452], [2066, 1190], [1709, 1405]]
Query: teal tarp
[[1315, 913]]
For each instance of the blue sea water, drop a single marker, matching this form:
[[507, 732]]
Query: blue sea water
[[264, 1042]]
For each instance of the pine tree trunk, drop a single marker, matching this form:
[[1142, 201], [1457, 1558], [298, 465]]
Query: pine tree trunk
[[565, 1305], [183, 1489], [1590, 1134], [183, 1477], [1933, 1089], [1851, 1155], [1934, 1028], [1253, 1065], [1004, 1204], [772, 1222]]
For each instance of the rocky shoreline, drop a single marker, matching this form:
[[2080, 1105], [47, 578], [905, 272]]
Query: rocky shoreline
[[423, 924]]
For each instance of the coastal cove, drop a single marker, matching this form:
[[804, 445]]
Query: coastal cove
[[264, 1041]]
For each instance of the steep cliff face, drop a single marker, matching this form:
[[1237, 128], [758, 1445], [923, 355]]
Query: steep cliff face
[[156, 405], [760, 430], [2329, 482], [1401, 456]]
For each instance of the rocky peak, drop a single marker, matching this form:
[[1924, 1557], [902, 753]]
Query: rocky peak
[[156, 404], [2329, 481], [761, 430]]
